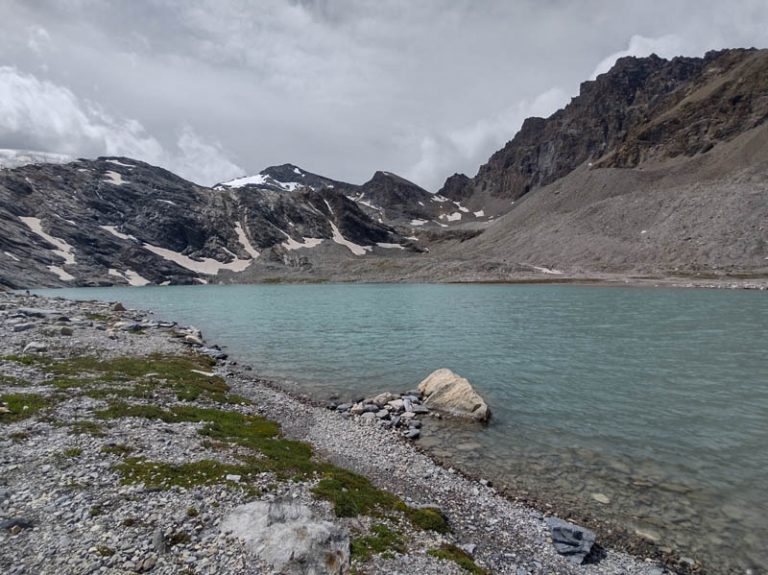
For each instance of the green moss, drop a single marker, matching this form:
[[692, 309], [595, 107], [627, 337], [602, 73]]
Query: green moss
[[95, 510], [353, 494], [104, 550], [97, 317], [117, 449], [428, 519], [24, 359], [19, 436], [192, 512], [458, 556], [21, 406], [7, 380], [73, 452], [382, 540]]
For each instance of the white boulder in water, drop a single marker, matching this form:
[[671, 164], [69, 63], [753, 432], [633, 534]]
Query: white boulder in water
[[450, 393]]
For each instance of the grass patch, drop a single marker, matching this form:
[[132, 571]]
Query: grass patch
[[19, 436], [118, 449], [97, 317], [154, 474], [458, 556], [428, 519], [89, 427], [11, 381], [382, 541], [104, 550], [21, 406], [352, 494], [73, 452], [24, 359]]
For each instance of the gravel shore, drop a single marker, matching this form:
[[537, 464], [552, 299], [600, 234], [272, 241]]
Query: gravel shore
[[68, 503]]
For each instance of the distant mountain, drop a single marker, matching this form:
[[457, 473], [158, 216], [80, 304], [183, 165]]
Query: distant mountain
[[117, 220]]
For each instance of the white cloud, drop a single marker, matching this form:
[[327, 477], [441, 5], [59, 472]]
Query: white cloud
[[40, 115], [469, 146]]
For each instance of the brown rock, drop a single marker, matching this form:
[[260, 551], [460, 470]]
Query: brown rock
[[448, 392]]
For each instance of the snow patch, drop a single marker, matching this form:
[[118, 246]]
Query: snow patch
[[412, 238], [390, 246], [353, 247], [119, 163], [454, 217], [245, 242], [207, 266], [113, 230], [114, 178], [169, 202], [63, 276], [461, 208], [13, 257], [290, 244], [133, 278], [298, 172], [479, 213], [549, 271], [438, 198], [330, 209], [63, 249], [418, 222]]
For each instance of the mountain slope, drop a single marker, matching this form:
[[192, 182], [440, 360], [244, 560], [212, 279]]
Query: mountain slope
[[116, 220]]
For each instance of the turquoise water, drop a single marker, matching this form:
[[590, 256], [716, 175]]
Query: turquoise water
[[654, 398]]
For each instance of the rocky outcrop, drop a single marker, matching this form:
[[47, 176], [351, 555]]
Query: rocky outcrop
[[290, 538], [450, 393]]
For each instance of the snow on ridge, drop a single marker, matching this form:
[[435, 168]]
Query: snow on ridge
[[113, 230], [119, 163], [390, 246], [63, 249], [356, 249], [258, 179]]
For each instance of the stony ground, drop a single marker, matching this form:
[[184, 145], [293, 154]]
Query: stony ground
[[124, 446]]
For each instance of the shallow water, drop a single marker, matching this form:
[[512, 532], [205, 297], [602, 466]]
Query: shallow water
[[656, 399]]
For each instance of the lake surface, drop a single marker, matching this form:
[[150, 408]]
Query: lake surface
[[655, 400]]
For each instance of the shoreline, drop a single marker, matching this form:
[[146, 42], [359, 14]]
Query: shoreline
[[509, 537]]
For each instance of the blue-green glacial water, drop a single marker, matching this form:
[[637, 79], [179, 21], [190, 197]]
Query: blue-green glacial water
[[646, 407]]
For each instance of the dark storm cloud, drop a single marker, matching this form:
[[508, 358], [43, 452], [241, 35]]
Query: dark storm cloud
[[212, 87]]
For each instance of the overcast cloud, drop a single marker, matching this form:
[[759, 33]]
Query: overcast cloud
[[215, 88]]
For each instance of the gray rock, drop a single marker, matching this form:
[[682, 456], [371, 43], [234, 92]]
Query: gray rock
[[215, 353], [368, 418], [570, 540], [66, 330], [412, 433], [22, 327], [344, 407], [290, 538], [382, 414], [15, 523], [35, 347], [468, 548], [158, 541]]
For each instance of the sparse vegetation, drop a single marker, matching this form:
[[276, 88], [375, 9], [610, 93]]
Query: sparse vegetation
[[116, 449], [73, 452], [89, 427], [458, 556], [20, 406], [382, 541]]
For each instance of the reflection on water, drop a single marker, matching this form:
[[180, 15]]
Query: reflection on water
[[645, 406]]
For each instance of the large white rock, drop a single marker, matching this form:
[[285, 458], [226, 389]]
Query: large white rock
[[290, 538], [448, 392]]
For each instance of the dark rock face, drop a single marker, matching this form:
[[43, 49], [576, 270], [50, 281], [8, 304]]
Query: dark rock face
[[116, 220], [458, 187], [643, 108]]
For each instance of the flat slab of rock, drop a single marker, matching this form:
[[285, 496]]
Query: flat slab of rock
[[290, 538], [448, 392], [570, 540]]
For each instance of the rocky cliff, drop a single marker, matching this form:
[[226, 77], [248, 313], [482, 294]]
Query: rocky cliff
[[642, 109]]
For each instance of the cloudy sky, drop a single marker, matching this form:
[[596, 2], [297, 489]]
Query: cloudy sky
[[213, 89]]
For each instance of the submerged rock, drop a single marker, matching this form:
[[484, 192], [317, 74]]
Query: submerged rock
[[570, 540], [290, 538], [448, 392]]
